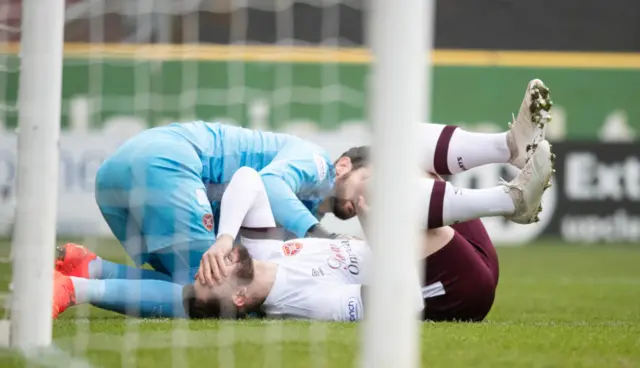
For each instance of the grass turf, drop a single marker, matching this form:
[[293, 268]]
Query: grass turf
[[557, 306]]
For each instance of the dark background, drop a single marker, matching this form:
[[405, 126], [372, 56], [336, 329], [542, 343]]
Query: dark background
[[555, 25], [611, 211], [568, 25]]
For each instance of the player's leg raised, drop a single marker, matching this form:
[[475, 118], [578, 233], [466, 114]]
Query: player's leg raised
[[447, 149], [518, 200]]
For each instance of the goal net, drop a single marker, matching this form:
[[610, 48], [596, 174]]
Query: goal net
[[283, 65], [289, 66]]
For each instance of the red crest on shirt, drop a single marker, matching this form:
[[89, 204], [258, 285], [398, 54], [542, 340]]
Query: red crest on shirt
[[291, 249], [207, 221]]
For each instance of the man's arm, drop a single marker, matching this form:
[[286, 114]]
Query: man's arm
[[244, 203], [289, 175]]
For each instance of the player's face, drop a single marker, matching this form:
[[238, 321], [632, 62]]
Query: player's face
[[229, 293], [347, 190]]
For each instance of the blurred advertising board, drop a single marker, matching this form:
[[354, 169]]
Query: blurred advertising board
[[598, 186]]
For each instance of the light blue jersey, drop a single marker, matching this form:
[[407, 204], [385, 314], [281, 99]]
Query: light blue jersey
[[162, 187], [295, 172]]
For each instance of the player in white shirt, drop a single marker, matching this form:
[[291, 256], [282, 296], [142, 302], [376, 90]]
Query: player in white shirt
[[325, 279], [315, 278], [318, 279], [321, 279], [462, 271]]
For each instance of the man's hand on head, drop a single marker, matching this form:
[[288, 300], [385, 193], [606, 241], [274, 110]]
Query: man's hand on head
[[216, 263]]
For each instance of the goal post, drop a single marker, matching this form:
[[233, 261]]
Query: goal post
[[34, 235], [293, 66], [400, 38]]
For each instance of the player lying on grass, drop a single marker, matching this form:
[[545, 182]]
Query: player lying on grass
[[325, 279], [511, 146], [321, 279], [461, 262]]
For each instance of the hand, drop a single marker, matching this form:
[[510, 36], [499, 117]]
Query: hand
[[215, 264]]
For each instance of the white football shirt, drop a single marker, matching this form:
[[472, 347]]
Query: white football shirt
[[317, 279]]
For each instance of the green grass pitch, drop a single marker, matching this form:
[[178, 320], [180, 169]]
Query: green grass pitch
[[557, 306]]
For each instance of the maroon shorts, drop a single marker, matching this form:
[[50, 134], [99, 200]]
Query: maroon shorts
[[461, 278]]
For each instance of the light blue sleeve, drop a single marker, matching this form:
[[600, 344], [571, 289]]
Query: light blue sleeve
[[295, 174]]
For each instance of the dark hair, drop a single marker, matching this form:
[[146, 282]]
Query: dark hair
[[359, 156], [214, 307]]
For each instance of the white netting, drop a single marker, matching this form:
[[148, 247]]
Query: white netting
[[283, 65]]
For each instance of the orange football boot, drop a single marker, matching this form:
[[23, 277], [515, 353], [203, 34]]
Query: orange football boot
[[64, 294], [73, 260]]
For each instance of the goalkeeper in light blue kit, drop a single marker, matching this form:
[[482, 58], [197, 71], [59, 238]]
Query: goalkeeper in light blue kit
[[160, 191]]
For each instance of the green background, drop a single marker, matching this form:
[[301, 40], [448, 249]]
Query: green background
[[330, 94]]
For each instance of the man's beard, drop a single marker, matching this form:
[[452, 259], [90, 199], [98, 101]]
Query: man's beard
[[338, 201], [339, 210]]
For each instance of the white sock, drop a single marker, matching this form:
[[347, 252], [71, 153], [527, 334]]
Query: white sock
[[87, 290], [468, 150], [446, 149], [468, 204], [449, 205]]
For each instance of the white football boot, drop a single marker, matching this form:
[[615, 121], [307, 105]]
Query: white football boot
[[528, 128], [527, 188]]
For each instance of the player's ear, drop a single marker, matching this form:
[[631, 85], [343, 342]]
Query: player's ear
[[240, 298], [343, 165]]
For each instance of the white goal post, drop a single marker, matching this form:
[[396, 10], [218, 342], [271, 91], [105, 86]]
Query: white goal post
[[400, 38], [34, 236]]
